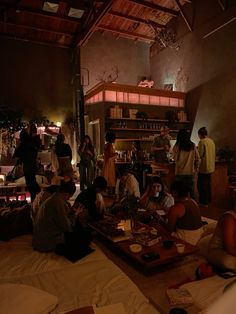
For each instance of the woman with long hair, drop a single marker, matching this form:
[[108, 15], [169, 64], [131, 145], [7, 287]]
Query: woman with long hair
[[187, 160], [155, 197], [86, 165]]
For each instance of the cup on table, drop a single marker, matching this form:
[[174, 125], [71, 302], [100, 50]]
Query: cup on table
[[180, 247]]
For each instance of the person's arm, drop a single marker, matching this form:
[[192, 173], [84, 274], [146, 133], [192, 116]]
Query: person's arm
[[144, 198], [81, 148], [70, 152], [133, 186], [168, 202], [197, 159], [175, 152], [110, 151], [174, 213], [201, 149], [229, 234]]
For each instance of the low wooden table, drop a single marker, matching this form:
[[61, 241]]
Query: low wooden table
[[167, 255]]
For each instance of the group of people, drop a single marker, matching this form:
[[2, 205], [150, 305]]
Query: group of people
[[191, 163], [62, 227]]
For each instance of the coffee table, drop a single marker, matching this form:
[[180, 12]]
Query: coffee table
[[121, 245]]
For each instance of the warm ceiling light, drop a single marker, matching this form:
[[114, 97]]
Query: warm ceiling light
[[51, 6], [76, 10]]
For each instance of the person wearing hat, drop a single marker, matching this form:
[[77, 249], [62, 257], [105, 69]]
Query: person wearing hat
[[161, 146]]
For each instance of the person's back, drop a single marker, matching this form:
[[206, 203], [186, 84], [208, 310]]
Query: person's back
[[206, 148], [40, 198], [187, 162], [89, 199], [191, 220], [64, 156], [184, 217], [130, 185], [50, 224]]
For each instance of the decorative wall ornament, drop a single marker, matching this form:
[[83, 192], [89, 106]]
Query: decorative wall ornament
[[181, 80], [146, 83], [166, 38], [109, 76]]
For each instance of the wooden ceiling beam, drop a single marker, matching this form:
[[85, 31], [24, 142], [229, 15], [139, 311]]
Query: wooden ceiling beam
[[35, 29], [41, 13], [155, 7], [135, 19], [184, 15], [223, 5], [91, 27], [13, 36], [126, 33]]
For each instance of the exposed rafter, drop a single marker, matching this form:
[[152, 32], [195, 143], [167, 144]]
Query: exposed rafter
[[88, 31], [135, 19], [5, 24], [123, 18], [184, 15], [126, 33], [223, 5], [155, 7], [39, 13]]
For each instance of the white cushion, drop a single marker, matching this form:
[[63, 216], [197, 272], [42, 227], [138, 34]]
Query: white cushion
[[22, 299], [206, 291]]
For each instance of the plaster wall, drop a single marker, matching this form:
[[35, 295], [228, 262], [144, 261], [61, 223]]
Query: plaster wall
[[103, 54], [35, 79], [205, 68]]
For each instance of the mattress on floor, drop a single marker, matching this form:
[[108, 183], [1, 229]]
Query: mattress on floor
[[92, 280]]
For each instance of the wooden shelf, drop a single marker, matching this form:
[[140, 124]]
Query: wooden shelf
[[134, 129], [141, 130], [134, 139], [138, 119]]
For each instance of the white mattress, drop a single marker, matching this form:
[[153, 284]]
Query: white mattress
[[207, 291], [92, 280]]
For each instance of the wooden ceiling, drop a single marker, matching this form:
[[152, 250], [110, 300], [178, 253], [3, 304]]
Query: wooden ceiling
[[133, 19]]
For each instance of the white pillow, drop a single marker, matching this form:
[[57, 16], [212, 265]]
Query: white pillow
[[22, 299]]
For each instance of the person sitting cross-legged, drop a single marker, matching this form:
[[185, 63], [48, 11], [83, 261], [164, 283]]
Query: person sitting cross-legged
[[57, 228], [184, 217], [91, 200]]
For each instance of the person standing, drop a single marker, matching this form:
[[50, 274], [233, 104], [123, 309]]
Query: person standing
[[86, 165], [207, 152], [64, 156], [187, 160], [27, 153], [161, 146], [109, 171]]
